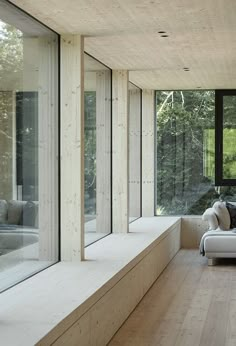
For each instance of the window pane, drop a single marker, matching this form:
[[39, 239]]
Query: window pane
[[97, 160], [28, 146], [229, 137], [134, 152], [185, 152]]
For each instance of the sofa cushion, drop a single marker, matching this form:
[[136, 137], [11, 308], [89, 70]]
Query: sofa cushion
[[15, 209], [3, 211], [222, 215], [232, 212], [29, 214], [210, 216]]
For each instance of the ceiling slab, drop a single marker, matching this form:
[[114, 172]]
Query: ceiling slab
[[124, 34]]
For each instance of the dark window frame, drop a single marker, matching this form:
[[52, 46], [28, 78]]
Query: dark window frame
[[219, 116]]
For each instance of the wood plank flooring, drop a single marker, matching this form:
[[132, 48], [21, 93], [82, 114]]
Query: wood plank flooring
[[190, 304]]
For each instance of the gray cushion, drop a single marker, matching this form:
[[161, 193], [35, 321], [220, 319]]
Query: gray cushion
[[232, 212], [3, 211], [29, 214], [15, 212]]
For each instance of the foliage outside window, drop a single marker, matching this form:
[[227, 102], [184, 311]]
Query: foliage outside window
[[28, 146], [185, 153], [97, 150]]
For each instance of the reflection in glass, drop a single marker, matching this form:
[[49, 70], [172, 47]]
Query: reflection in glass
[[229, 137], [28, 146], [134, 152], [97, 147]]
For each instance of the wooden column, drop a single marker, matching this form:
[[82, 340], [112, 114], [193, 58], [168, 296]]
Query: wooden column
[[103, 152], [120, 160], [148, 159], [7, 144], [47, 147], [72, 142], [134, 153]]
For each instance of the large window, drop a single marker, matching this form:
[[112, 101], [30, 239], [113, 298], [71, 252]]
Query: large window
[[134, 152], [185, 152], [226, 137], [28, 146], [97, 160]]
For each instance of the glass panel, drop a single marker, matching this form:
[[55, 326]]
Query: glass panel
[[97, 160], [229, 137], [134, 152], [185, 152], [28, 146]]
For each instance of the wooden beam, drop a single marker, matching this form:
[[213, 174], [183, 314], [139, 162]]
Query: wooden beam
[[148, 159], [103, 151], [134, 153], [72, 151], [120, 132], [47, 147]]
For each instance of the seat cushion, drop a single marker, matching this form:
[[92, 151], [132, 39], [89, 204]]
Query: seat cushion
[[220, 244]]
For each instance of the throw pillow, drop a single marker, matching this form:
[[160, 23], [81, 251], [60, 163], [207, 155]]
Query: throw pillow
[[210, 216], [30, 211], [222, 215], [3, 211], [15, 212], [232, 212]]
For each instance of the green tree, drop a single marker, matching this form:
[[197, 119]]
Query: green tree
[[183, 118]]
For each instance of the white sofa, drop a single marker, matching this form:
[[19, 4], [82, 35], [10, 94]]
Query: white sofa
[[18, 224], [220, 239]]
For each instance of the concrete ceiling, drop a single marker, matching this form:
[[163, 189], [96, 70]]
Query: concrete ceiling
[[124, 34]]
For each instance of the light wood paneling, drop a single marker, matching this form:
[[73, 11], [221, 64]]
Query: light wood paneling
[[148, 159], [134, 152], [48, 149], [102, 320], [103, 151], [7, 140], [192, 230], [72, 125], [190, 304], [125, 34], [41, 315], [120, 160]]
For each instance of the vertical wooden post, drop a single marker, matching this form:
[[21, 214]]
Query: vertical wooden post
[[134, 153], [7, 149], [47, 148], [103, 152], [148, 159], [72, 147], [120, 157]]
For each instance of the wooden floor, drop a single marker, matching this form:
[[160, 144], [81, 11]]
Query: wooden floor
[[190, 304]]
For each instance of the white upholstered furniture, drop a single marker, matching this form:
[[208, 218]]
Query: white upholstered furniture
[[220, 240]]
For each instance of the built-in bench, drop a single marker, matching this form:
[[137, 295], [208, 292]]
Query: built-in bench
[[86, 302]]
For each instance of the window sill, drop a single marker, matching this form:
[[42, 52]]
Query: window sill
[[54, 299]]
